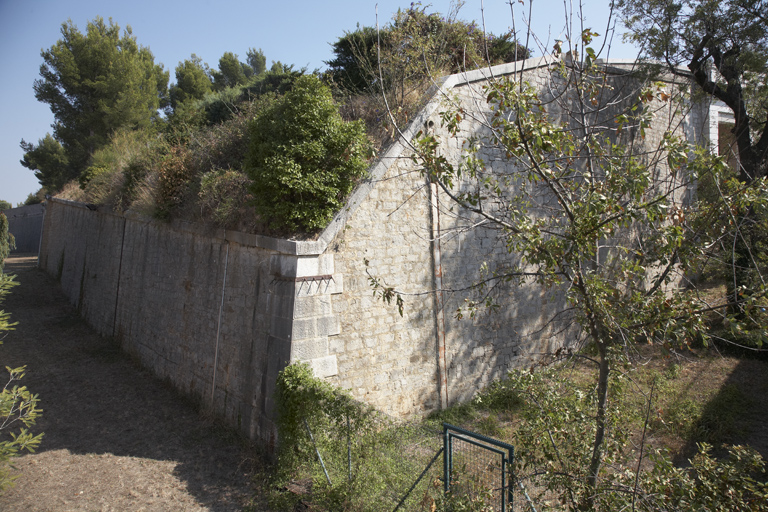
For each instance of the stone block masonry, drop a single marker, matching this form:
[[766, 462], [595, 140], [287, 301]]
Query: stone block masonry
[[217, 313], [220, 313]]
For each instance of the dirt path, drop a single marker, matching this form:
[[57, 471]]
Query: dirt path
[[116, 439]]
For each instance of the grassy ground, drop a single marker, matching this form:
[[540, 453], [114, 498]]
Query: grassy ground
[[678, 400], [698, 396]]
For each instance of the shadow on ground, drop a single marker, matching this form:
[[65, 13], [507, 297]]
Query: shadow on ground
[[97, 402], [736, 414]]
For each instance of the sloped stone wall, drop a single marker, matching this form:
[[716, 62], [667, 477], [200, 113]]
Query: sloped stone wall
[[418, 242]]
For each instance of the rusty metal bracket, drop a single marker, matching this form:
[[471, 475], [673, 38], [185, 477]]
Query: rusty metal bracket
[[323, 277]]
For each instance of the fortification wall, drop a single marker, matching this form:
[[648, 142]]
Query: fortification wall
[[212, 312], [387, 360], [415, 240], [25, 223], [219, 313], [420, 243]]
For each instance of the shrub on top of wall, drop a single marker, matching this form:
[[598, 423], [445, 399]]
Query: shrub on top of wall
[[303, 158]]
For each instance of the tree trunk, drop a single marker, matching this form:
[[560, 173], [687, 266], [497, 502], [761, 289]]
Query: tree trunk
[[588, 501]]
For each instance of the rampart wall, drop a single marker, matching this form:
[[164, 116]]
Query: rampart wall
[[219, 313], [212, 311]]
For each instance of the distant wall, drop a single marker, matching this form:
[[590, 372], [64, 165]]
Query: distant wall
[[25, 223]]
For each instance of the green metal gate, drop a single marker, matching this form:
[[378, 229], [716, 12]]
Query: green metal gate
[[476, 465]]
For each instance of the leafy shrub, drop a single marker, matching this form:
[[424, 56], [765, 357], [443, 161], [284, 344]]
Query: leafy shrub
[[303, 159], [18, 406], [383, 460], [90, 173], [224, 145], [174, 176], [220, 106], [7, 242], [553, 445], [733, 484]]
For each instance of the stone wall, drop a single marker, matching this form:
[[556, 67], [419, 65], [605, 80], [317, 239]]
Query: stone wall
[[416, 240], [25, 223], [212, 311], [219, 313]]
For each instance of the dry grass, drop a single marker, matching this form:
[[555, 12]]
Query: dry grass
[[696, 396]]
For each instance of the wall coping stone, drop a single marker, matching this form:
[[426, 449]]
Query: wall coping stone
[[283, 246]]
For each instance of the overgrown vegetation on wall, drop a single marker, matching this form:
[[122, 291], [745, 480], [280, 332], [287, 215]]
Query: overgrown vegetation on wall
[[404, 58], [303, 159], [195, 163], [365, 466]]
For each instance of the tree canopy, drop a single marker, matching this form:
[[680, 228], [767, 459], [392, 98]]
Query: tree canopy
[[193, 81], [257, 61], [415, 45], [729, 36], [231, 72], [724, 45], [50, 162], [94, 84]]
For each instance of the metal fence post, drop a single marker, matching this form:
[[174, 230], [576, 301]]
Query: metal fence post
[[446, 460], [511, 478], [349, 450]]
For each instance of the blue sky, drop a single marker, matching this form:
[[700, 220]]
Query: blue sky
[[292, 31]]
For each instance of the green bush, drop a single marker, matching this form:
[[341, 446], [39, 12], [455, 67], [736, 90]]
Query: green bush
[[303, 159], [371, 460], [7, 242], [174, 176], [94, 171]]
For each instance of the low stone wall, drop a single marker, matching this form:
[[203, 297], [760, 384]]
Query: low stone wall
[[25, 223]]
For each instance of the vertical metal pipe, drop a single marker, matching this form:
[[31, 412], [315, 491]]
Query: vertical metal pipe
[[446, 460], [503, 483], [511, 478], [218, 328], [119, 274], [442, 369]]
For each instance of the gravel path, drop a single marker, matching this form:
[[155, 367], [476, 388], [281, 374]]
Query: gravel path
[[115, 437]]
